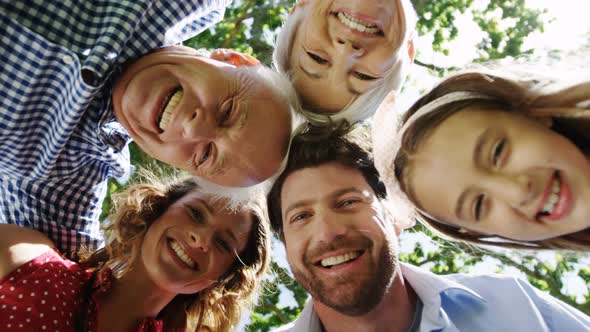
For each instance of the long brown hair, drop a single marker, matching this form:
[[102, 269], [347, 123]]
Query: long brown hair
[[219, 307], [566, 105]]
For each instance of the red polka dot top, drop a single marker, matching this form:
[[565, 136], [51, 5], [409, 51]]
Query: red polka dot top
[[51, 293]]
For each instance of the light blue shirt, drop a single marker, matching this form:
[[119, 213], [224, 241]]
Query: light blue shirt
[[478, 303]]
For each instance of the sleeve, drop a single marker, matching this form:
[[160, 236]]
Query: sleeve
[[558, 315], [198, 16]]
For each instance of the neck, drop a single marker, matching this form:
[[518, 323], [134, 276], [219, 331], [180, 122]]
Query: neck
[[394, 313], [131, 299]]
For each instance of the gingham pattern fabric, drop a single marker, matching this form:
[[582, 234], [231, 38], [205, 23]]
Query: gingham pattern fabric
[[59, 140]]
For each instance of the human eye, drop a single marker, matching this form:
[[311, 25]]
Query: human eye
[[498, 152], [226, 112], [348, 202], [206, 154], [195, 213], [478, 206], [363, 77], [223, 245], [317, 58], [298, 217]]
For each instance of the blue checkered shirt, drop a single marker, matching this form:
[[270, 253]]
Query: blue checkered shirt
[[59, 139]]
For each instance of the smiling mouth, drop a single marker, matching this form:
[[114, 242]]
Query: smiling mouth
[[168, 107], [556, 200], [182, 255], [338, 260], [359, 25]]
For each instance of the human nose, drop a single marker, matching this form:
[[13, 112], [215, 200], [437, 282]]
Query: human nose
[[349, 47], [331, 225], [197, 126], [514, 189], [199, 240]]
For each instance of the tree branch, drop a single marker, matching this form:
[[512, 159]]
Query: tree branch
[[440, 70], [243, 16]]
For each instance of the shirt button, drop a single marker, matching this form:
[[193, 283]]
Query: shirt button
[[68, 60]]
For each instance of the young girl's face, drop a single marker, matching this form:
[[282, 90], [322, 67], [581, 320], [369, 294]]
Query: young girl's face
[[501, 173], [194, 243]]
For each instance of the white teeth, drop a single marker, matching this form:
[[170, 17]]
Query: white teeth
[[553, 198], [169, 107], [356, 24], [181, 254], [335, 260]]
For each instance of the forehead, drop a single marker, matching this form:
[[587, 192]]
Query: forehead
[[239, 221], [324, 179], [443, 164]]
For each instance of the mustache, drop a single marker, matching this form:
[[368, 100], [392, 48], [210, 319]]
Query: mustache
[[358, 242]]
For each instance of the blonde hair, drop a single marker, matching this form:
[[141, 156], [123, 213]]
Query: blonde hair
[[219, 307], [565, 103], [365, 105]]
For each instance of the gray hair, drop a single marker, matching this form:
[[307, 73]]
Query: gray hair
[[365, 105], [280, 85]]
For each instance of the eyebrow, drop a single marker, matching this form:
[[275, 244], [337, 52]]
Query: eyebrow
[[336, 193], [477, 153], [459, 207], [478, 149]]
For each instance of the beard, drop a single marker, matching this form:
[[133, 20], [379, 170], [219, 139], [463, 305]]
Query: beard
[[351, 294]]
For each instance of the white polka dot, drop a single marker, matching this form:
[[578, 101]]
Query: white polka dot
[[4, 306], [45, 293], [8, 325], [44, 327], [20, 296], [24, 281], [14, 308], [55, 322], [11, 317], [20, 325], [11, 278], [17, 270], [11, 288], [48, 280], [41, 315], [64, 303], [36, 281], [0, 286], [2, 296], [28, 320], [32, 293], [57, 295], [53, 308], [67, 323], [46, 270], [42, 301], [28, 308], [30, 264]]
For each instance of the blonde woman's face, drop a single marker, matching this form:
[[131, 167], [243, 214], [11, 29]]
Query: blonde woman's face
[[343, 48], [193, 244], [501, 173]]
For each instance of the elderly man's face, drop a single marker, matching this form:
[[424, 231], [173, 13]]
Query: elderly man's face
[[210, 118], [340, 243]]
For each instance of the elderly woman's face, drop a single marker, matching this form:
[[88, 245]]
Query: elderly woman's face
[[343, 48]]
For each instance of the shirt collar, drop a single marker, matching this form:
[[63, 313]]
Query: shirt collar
[[430, 288]]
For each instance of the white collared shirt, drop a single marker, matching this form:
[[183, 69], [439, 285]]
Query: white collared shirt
[[481, 303]]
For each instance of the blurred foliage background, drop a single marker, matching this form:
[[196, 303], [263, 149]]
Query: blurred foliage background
[[250, 26]]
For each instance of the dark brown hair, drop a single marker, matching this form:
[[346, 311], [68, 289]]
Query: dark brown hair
[[343, 144]]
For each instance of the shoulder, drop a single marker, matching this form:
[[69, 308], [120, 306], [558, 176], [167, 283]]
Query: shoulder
[[19, 245]]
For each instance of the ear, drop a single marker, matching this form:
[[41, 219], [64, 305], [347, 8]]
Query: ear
[[232, 57], [298, 6], [411, 49]]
